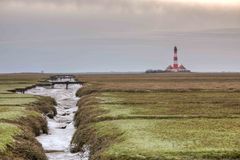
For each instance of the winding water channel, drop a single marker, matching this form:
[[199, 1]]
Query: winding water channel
[[61, 128]]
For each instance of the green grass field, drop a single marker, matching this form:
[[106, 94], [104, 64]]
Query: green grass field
[[161, 116], [20, 117], [161, 82], [171, 139], [179, 104], [134, 116]]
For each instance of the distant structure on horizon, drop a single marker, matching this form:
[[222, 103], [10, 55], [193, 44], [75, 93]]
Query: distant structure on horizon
[[175, 67]]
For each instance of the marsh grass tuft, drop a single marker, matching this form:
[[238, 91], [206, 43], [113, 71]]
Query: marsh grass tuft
[[7, 134]]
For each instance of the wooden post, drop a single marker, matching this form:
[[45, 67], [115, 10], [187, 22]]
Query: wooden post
[[52, 85], [67, 85]]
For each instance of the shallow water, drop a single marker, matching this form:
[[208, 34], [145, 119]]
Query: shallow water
[[61, 128]]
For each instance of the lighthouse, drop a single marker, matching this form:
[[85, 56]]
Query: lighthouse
[[175, 67], [175, 58]]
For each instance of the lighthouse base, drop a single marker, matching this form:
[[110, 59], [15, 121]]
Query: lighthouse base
[[179, 68]]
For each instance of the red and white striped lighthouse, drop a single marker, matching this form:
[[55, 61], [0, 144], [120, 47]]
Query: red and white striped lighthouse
[[175, 59], [175, 67]]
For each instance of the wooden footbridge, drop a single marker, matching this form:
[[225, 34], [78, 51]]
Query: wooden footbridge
[[53, 80], [65, 79], [67, 83]]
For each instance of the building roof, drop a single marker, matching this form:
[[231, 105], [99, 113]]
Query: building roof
[[169, 67], [181, 67]]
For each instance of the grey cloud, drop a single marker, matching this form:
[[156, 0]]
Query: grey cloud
[[155, 14], [118, 35]]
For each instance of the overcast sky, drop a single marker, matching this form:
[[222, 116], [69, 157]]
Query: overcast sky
[[118, 35]]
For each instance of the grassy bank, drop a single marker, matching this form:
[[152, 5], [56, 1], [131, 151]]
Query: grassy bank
[[164, 139], [21, 118], [161, 116]]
